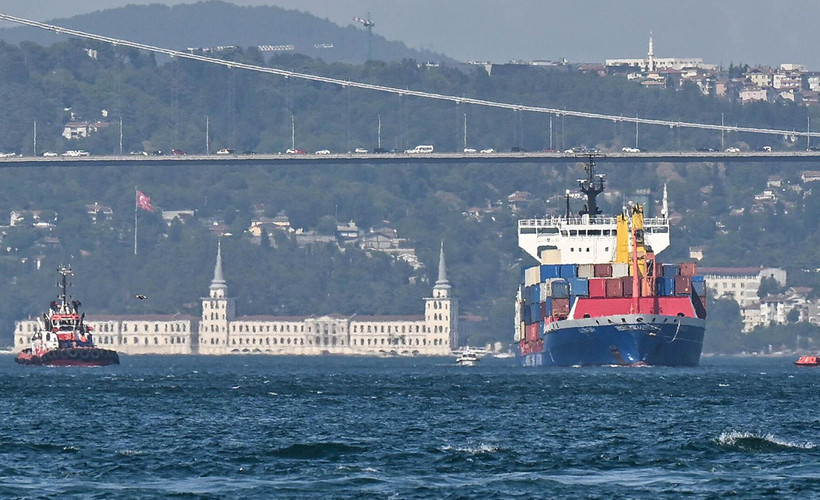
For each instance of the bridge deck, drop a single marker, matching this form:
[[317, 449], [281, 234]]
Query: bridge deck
[[402, 158]]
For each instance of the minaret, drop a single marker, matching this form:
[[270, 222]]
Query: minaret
[[650, 67], [441, 311], [218, 287], [217, 312]]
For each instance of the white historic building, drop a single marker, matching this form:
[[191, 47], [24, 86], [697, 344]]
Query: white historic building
[[435, 333], [220, 331]]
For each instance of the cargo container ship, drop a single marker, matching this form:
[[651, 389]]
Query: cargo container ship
[[599, 296]]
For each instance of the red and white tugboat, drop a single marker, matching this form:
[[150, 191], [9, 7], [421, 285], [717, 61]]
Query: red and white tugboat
[[62, 338]]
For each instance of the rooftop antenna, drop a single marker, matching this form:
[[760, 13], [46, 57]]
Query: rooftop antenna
[[368, 24]]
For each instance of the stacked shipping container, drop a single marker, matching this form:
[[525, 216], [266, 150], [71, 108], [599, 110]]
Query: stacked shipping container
[[549, 291]]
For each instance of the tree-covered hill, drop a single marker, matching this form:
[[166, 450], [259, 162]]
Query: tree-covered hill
[[215, 23], [166, 105]]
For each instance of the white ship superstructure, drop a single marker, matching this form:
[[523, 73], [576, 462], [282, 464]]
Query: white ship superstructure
[[586, 238]]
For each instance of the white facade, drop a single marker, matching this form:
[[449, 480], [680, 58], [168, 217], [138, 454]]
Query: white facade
[[129, 334], [741, 284], [220, 331]]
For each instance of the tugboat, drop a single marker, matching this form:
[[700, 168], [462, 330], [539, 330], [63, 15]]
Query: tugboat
[[63, 339], [808, 361]]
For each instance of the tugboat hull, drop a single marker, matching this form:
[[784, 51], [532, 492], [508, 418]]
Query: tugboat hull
[[74, 356]]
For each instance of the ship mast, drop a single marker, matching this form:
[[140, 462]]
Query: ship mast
[[65, 271], [592, 186]]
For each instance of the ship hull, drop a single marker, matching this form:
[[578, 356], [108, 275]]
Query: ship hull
[[74, 356], [620, 340]]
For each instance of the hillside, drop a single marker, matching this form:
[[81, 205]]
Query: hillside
[[215, 23], [164, 106]]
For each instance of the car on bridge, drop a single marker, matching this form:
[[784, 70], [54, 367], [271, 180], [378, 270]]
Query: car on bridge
[[178, 152], [49, 154], [226, 151], [630, 150], [487, 151], [733, 150], [76, 153], [323, 152], [292, 151], [516, 149], [360, 151], [469, 150]]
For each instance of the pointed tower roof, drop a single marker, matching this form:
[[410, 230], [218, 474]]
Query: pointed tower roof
[[442, 282], [219, 279]]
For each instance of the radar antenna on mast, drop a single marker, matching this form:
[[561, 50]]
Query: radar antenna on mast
[[368, 24]]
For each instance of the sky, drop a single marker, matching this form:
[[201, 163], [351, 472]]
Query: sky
[[721, 32]]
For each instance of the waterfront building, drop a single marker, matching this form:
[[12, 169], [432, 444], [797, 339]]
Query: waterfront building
[[220, 331]]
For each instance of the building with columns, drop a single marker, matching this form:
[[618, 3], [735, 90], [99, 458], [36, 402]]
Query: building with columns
[[220, 331]]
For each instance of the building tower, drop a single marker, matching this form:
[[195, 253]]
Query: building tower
[[217, 312], [441, 311], [650, 56]]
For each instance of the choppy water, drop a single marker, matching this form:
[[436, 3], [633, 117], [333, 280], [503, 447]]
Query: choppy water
[[260, 427]]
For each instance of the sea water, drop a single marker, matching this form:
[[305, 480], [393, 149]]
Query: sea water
[[334, 427]]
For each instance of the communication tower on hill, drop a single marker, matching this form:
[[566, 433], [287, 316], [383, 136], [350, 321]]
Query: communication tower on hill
[[368, 24]]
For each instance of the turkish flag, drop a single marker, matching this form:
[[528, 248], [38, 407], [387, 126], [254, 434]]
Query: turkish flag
[[144, 202]]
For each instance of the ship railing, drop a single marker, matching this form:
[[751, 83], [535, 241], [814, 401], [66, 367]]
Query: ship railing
[[585, 221]]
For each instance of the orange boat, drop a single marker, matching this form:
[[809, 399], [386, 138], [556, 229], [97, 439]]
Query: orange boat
[[808, 361]]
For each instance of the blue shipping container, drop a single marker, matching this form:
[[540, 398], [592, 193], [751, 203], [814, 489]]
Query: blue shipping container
[[699, 288], [550, 271], [535, 294], [666, 286], [671, 270], [560, 289], [578, 287], [568, 270], [535, 312]]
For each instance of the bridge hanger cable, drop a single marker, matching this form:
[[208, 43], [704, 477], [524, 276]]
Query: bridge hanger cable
[[396, 90]]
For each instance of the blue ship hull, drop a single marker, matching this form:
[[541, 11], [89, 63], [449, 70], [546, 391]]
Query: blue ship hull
[[633, 340]]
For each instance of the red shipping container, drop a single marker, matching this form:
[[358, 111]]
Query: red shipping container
[[683, 285], [603, 270], [597, 288], [543, 310], [560, 307], [614, 287], [626, 286], [532, 331], [688, 269]]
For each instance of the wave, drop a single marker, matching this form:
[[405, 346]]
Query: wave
[[760, 443], [472, 450], [325, 451]]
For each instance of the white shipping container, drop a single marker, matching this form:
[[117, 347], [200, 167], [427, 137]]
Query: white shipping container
[[620, 269], [532, 276], [586, 270]]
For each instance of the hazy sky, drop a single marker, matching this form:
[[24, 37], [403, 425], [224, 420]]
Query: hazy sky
[[720, 32]]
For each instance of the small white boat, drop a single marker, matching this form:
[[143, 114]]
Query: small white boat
[[467, 358]]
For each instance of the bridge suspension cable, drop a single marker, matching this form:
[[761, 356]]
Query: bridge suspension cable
[[399, 91]]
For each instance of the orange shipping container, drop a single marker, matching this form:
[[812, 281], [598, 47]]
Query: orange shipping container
[[614, 287], [626, 285], [560, 307], [688, 269], [603, 270], [683, 285]]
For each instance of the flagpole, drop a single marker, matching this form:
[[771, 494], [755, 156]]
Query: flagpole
[[135, 219]]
